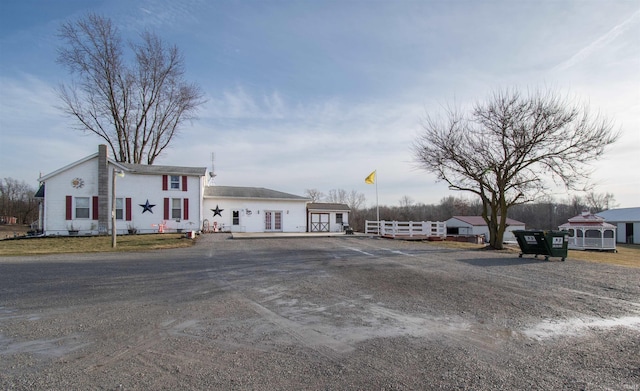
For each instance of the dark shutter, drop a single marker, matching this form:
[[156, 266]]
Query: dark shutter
[[128, 208], [166, 209], [95, 208], [69, 207], [184, 183], [165, 182], [185, 213]]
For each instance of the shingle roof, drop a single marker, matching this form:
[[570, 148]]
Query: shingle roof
[[479, 221], [327, 206], [586, 218], [166, 170], [595, 224], [248, 192]]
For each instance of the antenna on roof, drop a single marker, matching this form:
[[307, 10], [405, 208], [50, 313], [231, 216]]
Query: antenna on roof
[[212, 173]]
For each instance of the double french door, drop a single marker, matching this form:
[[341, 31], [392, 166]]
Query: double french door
[[273, 220]]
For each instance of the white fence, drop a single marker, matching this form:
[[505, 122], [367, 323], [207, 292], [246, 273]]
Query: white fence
[[581, 243], [406, 228]]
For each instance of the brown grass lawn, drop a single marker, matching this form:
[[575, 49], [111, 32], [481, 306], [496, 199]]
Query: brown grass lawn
[[91, 244], [9, 231], [627, 255]]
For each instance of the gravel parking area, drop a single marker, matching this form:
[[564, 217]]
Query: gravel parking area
[[333, 313]]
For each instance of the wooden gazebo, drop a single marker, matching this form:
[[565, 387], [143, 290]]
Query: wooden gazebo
[[590, 232]]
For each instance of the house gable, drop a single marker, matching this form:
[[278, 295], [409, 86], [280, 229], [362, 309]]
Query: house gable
[[67, 167]]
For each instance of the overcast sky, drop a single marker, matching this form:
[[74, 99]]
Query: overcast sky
[[317, 94]]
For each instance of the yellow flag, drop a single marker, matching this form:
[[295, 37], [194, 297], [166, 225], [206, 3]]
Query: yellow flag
[[371, 179]]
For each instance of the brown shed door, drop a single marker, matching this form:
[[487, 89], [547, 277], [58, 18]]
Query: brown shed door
[[319, 222]]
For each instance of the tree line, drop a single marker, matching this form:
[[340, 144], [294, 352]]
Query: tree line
[[17, 199]]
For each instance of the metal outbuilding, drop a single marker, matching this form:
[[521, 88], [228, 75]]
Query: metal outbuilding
[[627, 222]]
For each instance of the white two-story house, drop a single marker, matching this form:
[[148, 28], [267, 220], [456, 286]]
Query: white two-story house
[[77, 199]]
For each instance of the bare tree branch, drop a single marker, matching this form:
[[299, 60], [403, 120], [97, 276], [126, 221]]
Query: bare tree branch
[[136, 107], [507, 148]]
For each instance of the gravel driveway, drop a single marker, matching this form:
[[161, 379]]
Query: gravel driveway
[[339, 313]]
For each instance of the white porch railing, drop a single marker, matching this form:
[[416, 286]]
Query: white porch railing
[[582, 243], [406, 228]]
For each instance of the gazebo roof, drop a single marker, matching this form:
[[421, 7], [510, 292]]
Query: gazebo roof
[[587, 219]]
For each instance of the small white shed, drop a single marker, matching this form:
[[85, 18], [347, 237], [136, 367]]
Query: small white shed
[[327, 217]]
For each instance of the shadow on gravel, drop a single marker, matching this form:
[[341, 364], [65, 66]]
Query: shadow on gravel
[[502, 261]]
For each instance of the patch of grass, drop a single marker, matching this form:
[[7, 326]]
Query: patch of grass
[[92, 244], [13, 230], [627, 255], [454, 244]]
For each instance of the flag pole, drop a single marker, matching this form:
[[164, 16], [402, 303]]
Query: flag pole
[[370, 180], [377, 205]]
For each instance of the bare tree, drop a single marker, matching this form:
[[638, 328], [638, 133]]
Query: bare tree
[[315, 195], [600, 201], [457, 206], [338, 196], [355, 200], [506, 148], [576, 205], [17, 200], [137, 107], [406, 201]]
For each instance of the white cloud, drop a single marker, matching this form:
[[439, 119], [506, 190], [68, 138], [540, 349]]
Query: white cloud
[[599, 44]]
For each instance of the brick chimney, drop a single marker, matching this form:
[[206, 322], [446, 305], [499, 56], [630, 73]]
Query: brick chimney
[[104, 212]]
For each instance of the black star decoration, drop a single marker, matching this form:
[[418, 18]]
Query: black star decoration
[[147, 207], [217, 211]]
